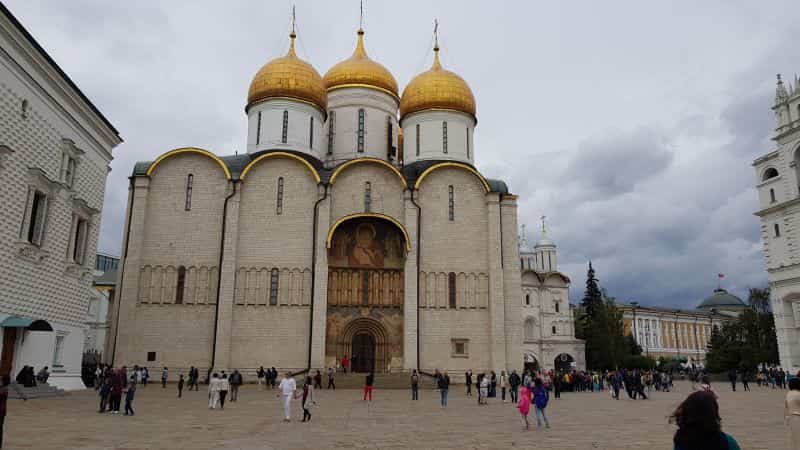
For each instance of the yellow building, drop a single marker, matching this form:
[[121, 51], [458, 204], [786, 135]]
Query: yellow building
[[680, 333]]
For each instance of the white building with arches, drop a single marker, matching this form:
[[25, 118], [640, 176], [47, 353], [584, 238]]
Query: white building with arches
[[356, 226], [778, 184]]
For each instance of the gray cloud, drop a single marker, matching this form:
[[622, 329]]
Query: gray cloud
[[633, 136]]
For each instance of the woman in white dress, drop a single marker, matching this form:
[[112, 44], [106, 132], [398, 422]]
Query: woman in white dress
[[213, 391]]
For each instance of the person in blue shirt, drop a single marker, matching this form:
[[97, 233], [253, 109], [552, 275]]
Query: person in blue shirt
[[699, 424]]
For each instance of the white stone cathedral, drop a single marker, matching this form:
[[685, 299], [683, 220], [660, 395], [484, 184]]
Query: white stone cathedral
[[356, 225]]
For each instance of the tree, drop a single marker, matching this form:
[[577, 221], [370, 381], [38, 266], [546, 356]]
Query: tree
[[592, 298], [600, 325]]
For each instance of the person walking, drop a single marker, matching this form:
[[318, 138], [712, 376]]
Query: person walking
[[105, 395], [732, 378], [129, 399], [286, 389], [468, 378], [484, 389], [414, 385], [191, 378], [524, 404], [331, 375], [746, 380], [443, 384], [492, 384], [318, 380], [308, 399], [540, 398], [213, 391], [557, 386], [235, 381], [180, 386], [513, 383], [792, 414], [164, 376], [345, 363], [224, 387], [368, 386], [698, 424], [260, 378], [118, 383], [503, 385]]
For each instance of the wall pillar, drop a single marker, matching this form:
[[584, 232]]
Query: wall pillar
[[227, 283], [410, 317], [497, 342], [320, 299]]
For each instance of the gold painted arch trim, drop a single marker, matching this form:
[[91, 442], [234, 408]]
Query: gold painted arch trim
[[308, 165], [365, 86], [370, 215], [456, 165], [368, 160], [179, 151]]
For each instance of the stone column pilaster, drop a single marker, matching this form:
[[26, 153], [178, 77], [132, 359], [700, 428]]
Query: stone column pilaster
[[410, 317], [496, 298], [320, 299], [227, 283]]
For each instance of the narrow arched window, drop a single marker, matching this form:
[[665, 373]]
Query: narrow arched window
[[181, 285], [417, 138], [311, 133], [527, 299], [777, 230], [451, 289], [467, 142], [273, 287], [285, 129], [331, 118], [530, 328], [772, 195], [554, 330], [451, 204], [389, 138], [279, 203], [258, 129], [361, 130], [769, 173], [444, 137], [367, 196], [557, 306], [189, 181], [365, 288]]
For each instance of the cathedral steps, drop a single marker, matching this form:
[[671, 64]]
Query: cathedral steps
[[397, 380], [41, 390]]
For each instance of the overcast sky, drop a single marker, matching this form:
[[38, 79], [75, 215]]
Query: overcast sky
[[631, 125]]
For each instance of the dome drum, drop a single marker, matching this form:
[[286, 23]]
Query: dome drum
[[443, 135], [304, 127]]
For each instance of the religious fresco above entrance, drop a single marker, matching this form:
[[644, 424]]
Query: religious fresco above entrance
[[367, 244]]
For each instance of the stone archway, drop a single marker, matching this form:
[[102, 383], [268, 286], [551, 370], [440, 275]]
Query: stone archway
[[563, 362], [365, 342]]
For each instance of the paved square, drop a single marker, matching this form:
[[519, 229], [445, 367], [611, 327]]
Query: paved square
[[391, 421]]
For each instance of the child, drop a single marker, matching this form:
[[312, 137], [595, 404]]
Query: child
[[540, 398], [524, 404], [129, 399], [180, 386]]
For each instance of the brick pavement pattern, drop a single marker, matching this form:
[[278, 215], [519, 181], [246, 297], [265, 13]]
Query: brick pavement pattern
[[391, 421]]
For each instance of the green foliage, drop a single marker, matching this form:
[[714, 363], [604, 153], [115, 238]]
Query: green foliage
[[638, 362], [631, 346], [600, 325], [747, 341]]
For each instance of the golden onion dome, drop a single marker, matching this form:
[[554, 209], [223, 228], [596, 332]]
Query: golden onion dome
[[288, 77], [437, 88], [361, 71]]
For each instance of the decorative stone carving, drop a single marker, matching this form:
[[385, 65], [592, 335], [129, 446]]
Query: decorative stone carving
[[31, 252]]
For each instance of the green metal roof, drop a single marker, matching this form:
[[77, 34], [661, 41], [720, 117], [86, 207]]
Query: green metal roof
[[16, 321], [721, 299]]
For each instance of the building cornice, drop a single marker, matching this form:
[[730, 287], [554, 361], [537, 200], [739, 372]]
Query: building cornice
[[777, 207], [771, 155]]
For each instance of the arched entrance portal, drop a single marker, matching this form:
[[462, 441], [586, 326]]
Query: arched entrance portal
[[366, 293], [363, 351], [563, 362]]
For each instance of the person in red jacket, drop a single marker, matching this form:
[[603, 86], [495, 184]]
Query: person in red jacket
[[345, 363]]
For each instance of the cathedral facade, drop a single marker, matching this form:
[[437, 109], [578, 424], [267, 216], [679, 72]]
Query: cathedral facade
[[356, 225]]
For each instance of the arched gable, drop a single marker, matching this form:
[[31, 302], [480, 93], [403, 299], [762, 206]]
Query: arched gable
[[455, 165], [381, 162], [373, 215], [198, 151], [308, 165]]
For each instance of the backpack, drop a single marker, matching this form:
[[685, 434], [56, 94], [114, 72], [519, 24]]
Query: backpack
[[540, 398]]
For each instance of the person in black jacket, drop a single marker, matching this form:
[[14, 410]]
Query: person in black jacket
[[235, 381], [514, 381], [468, 378], [368, 386], [443, 384]]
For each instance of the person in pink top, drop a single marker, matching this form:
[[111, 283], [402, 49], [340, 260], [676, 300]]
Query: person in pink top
[[524, 404]]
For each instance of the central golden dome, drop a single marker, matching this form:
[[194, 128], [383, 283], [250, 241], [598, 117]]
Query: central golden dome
[[437, 89], [288, 77], [361, 71]]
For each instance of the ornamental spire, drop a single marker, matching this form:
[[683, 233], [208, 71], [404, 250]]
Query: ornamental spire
[[436, 64], [780, 91], [292, 35]]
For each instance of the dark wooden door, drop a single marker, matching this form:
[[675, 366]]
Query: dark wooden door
[[363, 353], [9, 343]]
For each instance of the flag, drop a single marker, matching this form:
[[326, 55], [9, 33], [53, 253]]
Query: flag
[[721, 275]]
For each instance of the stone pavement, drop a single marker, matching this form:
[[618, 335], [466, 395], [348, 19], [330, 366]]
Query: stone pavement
[[391, 421]]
